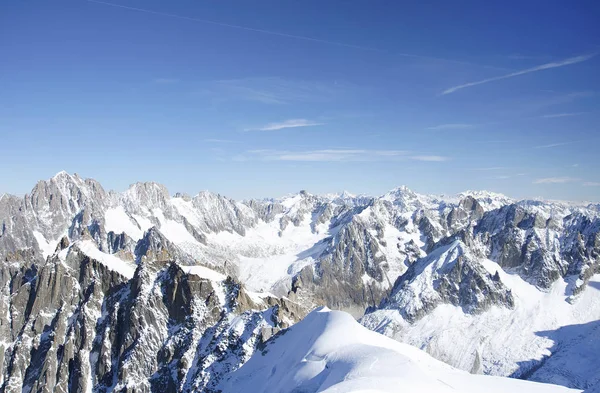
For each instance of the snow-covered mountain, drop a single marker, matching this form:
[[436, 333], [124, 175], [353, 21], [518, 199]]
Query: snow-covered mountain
[[516, 294], [103, 281], [75, 323], [330, 352], [472, 314]]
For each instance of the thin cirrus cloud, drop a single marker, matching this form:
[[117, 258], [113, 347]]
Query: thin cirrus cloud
[[554, 145], [562, 63], [165, 81], [504, 177], [292, 123], [491, 168], [214, 140], [591, 184], [556, 180], [429, 158], [342, 155], [555, 115], [276, 90], [451, 126]]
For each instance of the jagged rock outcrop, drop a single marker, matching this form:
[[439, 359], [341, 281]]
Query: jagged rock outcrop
[[75, 325], [449, 275], [541, 247], [154, 246], [338, 278]]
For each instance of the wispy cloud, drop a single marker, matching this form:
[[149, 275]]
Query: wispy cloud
[[492, 168], [327, 155], [165, 81], [554, 115], [341, 155], [451, 126], [212, 140], [292, 123], [519, 56], [552, 145], [591, 184], [536, 104], [562, 63], [556, 180], [429, 158], [504, 177], [555, 145], [276, 90], [494, 141]]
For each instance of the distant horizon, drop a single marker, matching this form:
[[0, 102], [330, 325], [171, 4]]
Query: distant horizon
[[292, 193]]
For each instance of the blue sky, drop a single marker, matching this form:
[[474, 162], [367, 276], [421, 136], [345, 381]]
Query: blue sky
[[253, 99]]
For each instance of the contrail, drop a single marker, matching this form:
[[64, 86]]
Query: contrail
[[571, 60], [293, 36], [298, 37]]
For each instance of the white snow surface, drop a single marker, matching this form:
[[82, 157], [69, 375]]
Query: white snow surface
[[203, 272], [173, 230], [328, 351], [117, 220], [47, 247], [267, 258], [125, 268]]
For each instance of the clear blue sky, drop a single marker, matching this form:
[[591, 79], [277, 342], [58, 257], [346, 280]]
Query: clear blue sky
[[265, 98]]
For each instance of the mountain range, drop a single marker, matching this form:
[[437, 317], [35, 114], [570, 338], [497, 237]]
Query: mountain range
[[148, 291]]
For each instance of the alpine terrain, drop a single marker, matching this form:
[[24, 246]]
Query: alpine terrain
[[145, 291]]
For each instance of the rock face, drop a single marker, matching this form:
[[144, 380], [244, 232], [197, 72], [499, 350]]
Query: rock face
[[448, 275], [74, 324], [541, 247], [491, 294]]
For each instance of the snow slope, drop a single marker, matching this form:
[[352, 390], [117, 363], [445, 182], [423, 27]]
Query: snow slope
[[125, 268], [203, 272], [117, 221], [504, 341], [328, 351], [268, 257]]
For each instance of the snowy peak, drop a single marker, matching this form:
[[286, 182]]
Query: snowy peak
[[490, 200], [347, 195], [211, 212], [449, 274], [69, 187], [346, 198], [409, 201], [148, 194], [328, 351], [400, 194]]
